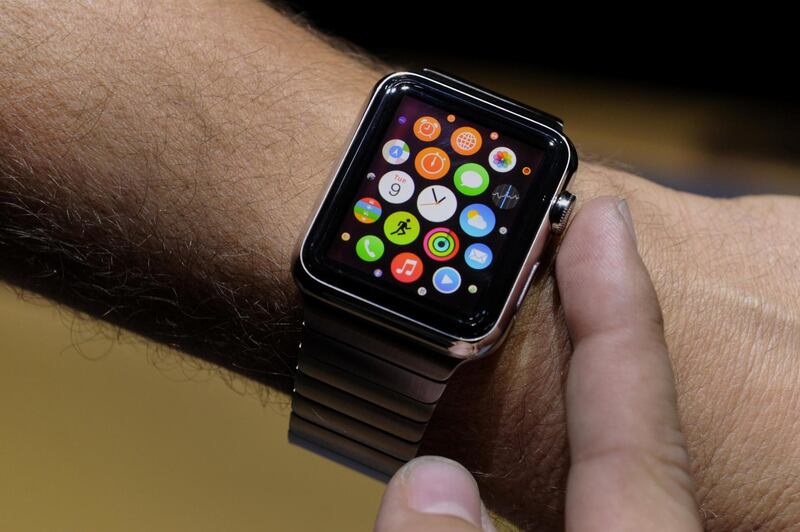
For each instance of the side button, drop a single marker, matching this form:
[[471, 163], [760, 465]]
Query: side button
[[527, 285]]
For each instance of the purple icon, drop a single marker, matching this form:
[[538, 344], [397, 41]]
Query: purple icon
[[402, 119]]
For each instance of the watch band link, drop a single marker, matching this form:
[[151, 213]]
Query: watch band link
[[363, 395]]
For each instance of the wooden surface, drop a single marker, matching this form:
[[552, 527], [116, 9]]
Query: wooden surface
[[113, 434]]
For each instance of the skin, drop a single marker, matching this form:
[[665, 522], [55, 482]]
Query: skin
[[629, 464], [158, 161]]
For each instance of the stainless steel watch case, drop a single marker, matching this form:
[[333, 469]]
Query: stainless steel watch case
[[462, 348]]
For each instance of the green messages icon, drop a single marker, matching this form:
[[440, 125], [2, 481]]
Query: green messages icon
[[471, 179]]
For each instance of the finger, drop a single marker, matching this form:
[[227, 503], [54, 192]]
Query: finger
[[433, 494], [630, 468]]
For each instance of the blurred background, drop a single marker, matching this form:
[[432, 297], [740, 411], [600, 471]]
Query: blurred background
[[105, 431], [701, 99]]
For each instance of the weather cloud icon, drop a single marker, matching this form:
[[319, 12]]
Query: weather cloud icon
[[477, 220]]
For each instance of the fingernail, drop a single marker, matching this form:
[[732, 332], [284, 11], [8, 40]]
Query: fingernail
[[623, 209], [436, 485]]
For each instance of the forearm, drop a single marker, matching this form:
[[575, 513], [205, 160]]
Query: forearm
[[158, 164]]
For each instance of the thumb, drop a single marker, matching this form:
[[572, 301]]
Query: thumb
[[630, 469], [432, 493]]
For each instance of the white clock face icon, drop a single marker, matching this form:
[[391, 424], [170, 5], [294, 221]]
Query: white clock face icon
[[436, 203]]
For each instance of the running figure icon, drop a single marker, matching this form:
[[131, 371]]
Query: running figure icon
[[402, 227]]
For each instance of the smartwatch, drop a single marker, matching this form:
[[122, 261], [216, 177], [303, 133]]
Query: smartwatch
[[417, 257]]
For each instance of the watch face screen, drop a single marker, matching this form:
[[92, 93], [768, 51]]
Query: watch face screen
[[435, 216]]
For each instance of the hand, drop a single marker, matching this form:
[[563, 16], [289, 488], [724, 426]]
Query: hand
[[159, 159], [629, 465]]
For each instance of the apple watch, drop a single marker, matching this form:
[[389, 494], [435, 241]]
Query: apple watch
[[417, 258]]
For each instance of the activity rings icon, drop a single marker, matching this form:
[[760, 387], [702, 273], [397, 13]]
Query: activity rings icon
[[436, 203], [441, 244]]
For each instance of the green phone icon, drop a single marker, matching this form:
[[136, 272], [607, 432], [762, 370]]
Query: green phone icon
[[369, 248]]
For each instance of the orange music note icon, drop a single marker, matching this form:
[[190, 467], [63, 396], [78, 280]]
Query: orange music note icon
[[406, 267]]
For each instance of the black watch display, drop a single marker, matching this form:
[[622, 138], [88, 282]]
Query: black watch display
[[417, 258]]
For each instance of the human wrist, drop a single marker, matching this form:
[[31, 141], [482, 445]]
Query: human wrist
[[158, 172], [503, 416], [507, 413]]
